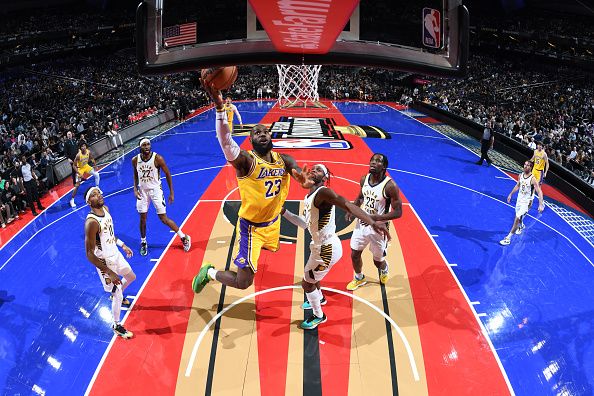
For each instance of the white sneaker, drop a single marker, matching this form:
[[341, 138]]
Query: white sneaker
[[72, 203], [520, 229], [187, 242], [505, 241]]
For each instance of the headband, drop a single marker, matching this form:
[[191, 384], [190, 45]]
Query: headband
[[91, 191], [323, 168], [144, 140]]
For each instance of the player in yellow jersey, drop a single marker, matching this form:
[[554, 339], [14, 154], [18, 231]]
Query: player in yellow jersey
[[263, 178], [231, 111], [81, 167], [541, 163]]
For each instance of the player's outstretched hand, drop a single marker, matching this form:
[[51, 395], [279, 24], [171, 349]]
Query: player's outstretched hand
[[349, 217], [171, 198], [128, 251], [541, 207], [213, 93], [508, 198], [382, 228], [301, 177]]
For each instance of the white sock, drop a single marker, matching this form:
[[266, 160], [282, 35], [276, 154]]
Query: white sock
[[97, 178], [359, 276], [320, 294], [181, 234], [314, 301], [212, 273], [509, 236], [143, 240], [116, 304]]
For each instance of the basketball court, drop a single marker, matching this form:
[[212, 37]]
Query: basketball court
[[459, 315]]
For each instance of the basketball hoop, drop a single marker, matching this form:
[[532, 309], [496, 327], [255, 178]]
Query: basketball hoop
[[298, 86]]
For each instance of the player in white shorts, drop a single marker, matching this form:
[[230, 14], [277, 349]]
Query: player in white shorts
[[325, 247], [525, 186], [101, 246], [147, 168], [378, 194]]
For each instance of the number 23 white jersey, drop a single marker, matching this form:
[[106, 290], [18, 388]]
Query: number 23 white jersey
[[375, 200]]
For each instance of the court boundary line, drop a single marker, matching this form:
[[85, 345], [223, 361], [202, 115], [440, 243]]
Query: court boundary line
[[470, 305], [138, 294], [104, 167], [206, 328], [495, 166], [417, 135]]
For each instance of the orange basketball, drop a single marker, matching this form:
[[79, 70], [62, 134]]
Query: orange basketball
[[220, 77]]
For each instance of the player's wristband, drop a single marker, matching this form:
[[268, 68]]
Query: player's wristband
[[119, 242]]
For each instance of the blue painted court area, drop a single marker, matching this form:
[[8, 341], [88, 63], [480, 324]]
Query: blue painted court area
[[533, 297]]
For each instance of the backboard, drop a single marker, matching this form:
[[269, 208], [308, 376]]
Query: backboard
[[424, 36]]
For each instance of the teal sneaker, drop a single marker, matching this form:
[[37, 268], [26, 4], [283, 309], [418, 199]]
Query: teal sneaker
[[201, 279], [143, 248], [312, 322], [306, 304]]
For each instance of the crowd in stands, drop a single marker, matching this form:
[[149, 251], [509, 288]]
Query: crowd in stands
[[552, 105], [91, 98]]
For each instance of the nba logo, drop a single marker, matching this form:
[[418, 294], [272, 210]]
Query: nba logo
[[431, 28]]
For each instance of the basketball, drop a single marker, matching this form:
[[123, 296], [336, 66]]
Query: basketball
[[220, 77]]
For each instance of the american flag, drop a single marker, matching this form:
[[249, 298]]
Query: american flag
[[180, 34]]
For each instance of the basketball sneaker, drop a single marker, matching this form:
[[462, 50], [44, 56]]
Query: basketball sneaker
[[187, 241], [125, 302], [356, 283], [306, 304], [143, 248], [312, 322], [120, 331], [201, 279], [520, 229], [505, 241], [384, 276], [72, 203]]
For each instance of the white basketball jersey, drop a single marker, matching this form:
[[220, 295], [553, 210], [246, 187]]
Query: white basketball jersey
[[525, 192], [106, 241], [148, 173], [375, 200], [320, 223]]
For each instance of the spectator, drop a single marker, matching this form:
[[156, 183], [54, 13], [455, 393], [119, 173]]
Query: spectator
[[30, 182]]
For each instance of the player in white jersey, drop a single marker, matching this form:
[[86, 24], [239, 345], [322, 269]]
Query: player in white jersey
[[325, 247], [380, 198], [147, 168], [101, 245], [526, 184]]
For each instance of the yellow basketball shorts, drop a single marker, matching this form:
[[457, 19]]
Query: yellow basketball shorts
[[252, 238], [83, 170], [537, 175]]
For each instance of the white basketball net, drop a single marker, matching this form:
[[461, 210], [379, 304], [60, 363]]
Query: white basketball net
[[298, 85]]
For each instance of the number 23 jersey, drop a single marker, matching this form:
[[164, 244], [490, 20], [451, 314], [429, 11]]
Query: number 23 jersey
[[264, 189], [375, 200]]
